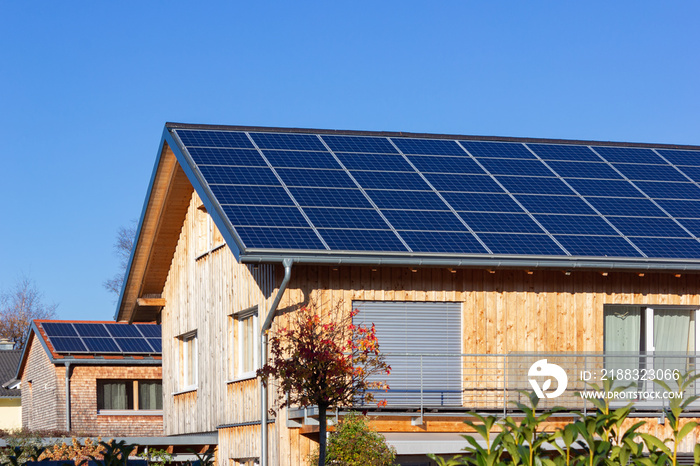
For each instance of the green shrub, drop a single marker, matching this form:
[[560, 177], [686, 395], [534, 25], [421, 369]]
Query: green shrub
[[355, 444]]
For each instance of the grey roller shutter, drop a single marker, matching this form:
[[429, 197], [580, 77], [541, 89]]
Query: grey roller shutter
[[422, 342]]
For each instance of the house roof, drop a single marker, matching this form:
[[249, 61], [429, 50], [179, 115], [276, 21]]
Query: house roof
[[381, 198], [9, 360]]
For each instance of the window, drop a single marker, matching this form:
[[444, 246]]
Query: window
[[124, 395], [207, 236], [245, 462], [245, 339], [188, 358]]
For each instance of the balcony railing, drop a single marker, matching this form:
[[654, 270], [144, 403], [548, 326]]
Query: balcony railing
[[493, 382]]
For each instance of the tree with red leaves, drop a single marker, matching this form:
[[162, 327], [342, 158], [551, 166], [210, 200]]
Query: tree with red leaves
[[327, 363]]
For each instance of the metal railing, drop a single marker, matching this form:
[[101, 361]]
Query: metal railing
[[493, 382]]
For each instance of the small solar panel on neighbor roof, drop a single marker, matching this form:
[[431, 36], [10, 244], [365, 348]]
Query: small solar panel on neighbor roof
[[378, 194]]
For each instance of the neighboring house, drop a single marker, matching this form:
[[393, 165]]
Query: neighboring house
[[112, 372], [474, 257], [10, 398]]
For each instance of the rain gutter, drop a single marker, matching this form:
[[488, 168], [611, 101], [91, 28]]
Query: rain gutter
[[263, 358]]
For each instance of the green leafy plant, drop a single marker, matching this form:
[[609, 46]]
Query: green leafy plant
[[156, 457], [114, 453]]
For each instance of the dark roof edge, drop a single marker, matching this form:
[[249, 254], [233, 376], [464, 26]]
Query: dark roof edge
[[265, 129]]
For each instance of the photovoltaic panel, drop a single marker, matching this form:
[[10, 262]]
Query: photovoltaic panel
[[628, 155], [330, 197], [515, 167], [554, 204], [612, 188], [584, 170], [576, 225], [512, 243], [301, 159], [441, 241], [345, 218], [214, 156], [287, 141], [668, 247], [149, 330], [390, 180], [626, 206], [669, 190], [59, 329], [252, 195], [635, 171], [681, 157], [688, 209], [91, 330], [691, 172], [428, 146], [390, 162], [133, 345], [280, 238], [497, 149], [124, 331], [239, 175], [482, 202], [376, 145], [426, 200], [436, 164], [648, 226], [315, 178], [214, 138], [589, 245], [251, 215], [464, 183], [68, 345], [101, 345], [352, 239], [564, 152], [423, 220], [500, 222], [156, 344], [534, 185], [692, 224]]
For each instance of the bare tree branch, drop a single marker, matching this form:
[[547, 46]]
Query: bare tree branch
[[122, 248], [18, 307]]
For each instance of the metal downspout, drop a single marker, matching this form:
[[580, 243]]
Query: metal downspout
[[263, 359], [68, 396]]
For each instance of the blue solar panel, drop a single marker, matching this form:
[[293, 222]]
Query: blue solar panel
[[247, 215], [423, 220], [650, 172], [691, 172], [441, 241], [497, 149], [668, 247], [91, 330], [648, 226], [149, 330], [316, 178], [681, 157], [436, 164], [134, 345], [576, 225], [279, 238], [300, 159], [391, 162], [428, 146], [125, 331], [214, 138], [67, 344], [625, 206], [330, 197], [287, 141], [554, 204], [628, 155], [692, 224], [345, 218], [253, 195], [584, 170], [464, 183], [156, 344], [534, 185], [512, 243], [362, 240], [588, 245], [239, 175], [500, 223], [688, 209], [564, 152], [376, 145], [612, 188], [482, 202], [669, 190], [390, 180], [426, 200], [516, 167], [212, 156], [101, 345], [59, 329]]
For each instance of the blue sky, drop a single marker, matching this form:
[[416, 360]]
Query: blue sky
[[86, 87]]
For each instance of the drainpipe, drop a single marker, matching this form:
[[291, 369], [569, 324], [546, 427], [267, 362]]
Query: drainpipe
[[263, 359], [68, 396]]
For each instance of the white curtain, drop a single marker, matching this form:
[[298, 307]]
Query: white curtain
[[674, 332], [623, 328], [114, 395]]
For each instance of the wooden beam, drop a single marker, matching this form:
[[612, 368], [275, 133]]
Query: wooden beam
[[150, 302]]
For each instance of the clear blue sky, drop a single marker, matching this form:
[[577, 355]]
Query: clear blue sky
[[86, 87]]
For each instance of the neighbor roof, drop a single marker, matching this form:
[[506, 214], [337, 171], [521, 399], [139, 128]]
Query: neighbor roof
[[9, 360]]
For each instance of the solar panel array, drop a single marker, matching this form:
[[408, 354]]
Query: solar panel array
[[97, 338], [330, 192]]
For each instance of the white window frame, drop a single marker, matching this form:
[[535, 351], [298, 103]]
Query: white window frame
[[184, 339], [239, 342]]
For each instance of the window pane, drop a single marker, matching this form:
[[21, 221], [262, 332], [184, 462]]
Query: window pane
[[248, 355], [190, 364], [622, 328], [114, 395], [150, 395]]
